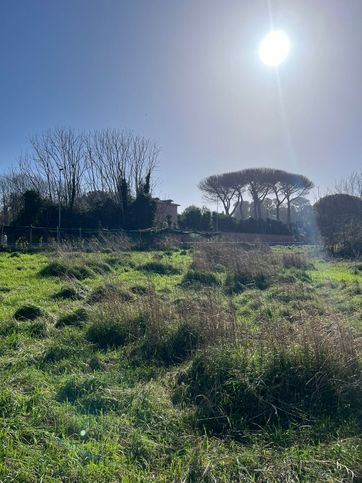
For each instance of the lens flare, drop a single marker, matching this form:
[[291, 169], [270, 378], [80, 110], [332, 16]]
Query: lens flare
[[274, 48]]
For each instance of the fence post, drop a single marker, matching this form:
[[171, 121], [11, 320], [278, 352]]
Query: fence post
[[80, 233], [31, 236]]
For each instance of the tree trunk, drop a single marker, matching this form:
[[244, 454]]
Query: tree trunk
[[259, 210], [256, 208], [241, 207], [288, 213]]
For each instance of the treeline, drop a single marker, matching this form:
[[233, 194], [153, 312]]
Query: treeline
[[96, 179], [202, 219], [280, 187]]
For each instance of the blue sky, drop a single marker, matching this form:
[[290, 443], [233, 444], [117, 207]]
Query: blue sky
[[186, 74]]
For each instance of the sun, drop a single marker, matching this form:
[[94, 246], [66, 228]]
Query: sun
[[274, 48]]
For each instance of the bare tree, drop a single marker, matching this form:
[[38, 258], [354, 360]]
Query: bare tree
[[119, 162], [352, 185], [12, 186], [57, 164], [5, 194]]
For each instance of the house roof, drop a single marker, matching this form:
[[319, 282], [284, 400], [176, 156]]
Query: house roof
[[168, 202]]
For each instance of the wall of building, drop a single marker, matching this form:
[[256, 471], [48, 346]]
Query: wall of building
[[165, 210]]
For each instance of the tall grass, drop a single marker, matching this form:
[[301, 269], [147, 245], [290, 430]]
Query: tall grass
[[162, 331], [289, 373]]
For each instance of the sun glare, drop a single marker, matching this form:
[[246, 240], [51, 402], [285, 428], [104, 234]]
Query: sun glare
[[274, 48]]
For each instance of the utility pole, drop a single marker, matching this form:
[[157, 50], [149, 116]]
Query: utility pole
[[217, 215], [60, 204]]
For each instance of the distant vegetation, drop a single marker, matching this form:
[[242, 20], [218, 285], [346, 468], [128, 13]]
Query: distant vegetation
[[104, 179], [101, 178]]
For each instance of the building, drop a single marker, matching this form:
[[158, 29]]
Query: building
[[166, 212]]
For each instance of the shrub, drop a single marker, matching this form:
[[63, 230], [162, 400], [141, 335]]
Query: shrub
[[28, 312], [160, 268], [58, 269], [197, 278], [76, 319], [339, 218]]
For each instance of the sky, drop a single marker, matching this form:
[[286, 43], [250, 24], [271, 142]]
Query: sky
[[186, 74]]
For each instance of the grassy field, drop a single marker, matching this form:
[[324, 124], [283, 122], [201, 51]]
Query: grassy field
[[218, 364]]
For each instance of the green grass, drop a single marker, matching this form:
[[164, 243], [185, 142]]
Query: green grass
[[74, 407], [335, 272]]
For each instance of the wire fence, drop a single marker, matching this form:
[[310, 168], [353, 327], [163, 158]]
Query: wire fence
[[37, 237]]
